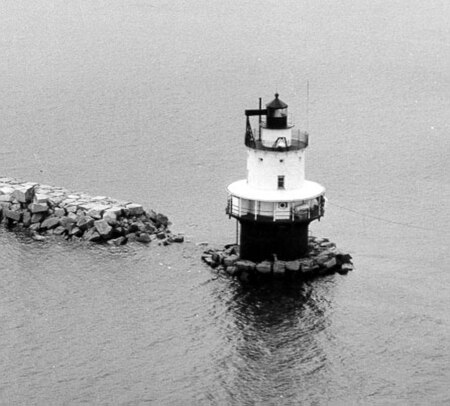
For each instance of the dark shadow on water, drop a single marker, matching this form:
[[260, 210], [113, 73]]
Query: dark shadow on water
[[278, 303], [276, 334]]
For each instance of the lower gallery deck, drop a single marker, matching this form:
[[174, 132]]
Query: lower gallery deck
[[305, 203], [300, 210]]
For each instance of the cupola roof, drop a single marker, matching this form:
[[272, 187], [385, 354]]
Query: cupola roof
[[276, 103]]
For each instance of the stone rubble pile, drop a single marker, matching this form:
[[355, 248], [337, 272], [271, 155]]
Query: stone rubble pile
[[47, 210], [323, 259]]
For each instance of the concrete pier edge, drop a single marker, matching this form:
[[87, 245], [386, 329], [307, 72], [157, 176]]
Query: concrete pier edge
[[44, 210], [323, 259]]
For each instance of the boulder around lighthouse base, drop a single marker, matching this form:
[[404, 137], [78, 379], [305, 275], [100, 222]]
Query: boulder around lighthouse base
[[321, 259]]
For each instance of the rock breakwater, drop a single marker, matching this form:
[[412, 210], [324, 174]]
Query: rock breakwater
[[323, 259], [47, 210]]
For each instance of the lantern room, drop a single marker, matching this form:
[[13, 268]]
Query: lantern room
[[277, 113]]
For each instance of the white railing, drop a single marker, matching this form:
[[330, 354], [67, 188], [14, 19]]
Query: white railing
[[296, 211], [299, 140]]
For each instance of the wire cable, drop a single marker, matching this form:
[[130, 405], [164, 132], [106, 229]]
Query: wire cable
[[380, 218]]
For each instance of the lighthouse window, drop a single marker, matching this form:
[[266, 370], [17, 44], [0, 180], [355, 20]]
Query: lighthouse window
[[280, 182], [260, 159], [281, 160]]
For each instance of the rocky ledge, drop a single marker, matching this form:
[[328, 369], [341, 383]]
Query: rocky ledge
[[46, 210], [323, 259]]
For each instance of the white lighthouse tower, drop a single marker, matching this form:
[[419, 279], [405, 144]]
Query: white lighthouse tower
[[275, 204]]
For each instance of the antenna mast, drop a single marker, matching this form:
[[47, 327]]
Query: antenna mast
[[307, 106]]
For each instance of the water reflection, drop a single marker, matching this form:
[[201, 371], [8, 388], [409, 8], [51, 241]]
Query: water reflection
[[275, 336]]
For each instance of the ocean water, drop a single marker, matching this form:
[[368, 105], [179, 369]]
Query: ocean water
[[144, 101]]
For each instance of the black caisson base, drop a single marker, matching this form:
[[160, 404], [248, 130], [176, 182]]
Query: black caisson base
[[261, 240]]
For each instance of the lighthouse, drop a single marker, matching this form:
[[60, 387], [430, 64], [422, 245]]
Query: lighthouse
[[275, 204]]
